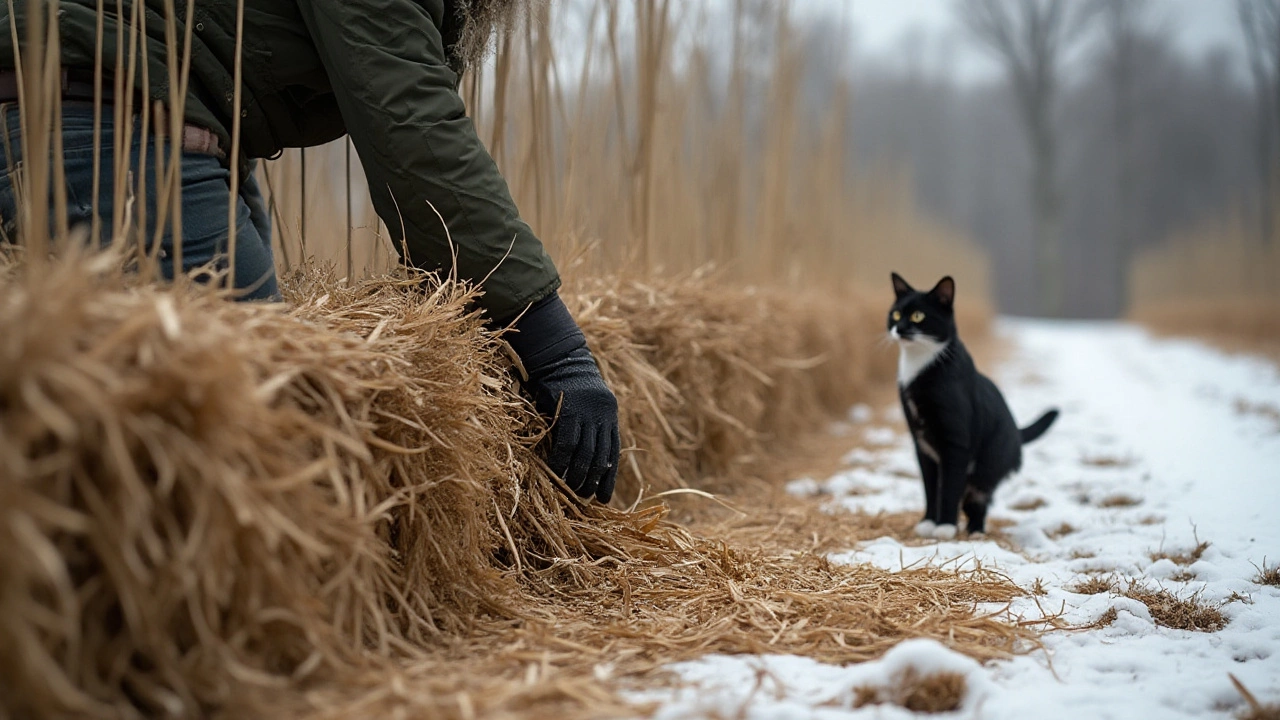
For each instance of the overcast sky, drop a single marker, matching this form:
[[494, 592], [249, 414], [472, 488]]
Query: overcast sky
[[882, 29]]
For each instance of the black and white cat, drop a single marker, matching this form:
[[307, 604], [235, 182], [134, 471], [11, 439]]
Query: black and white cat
[[966, 439]]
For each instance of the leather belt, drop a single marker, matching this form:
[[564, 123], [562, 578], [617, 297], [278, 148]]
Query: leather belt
[[77, 86]]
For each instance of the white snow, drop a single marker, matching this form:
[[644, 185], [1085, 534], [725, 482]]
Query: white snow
[[1188, 435]]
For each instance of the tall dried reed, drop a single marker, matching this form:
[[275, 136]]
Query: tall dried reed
[[637, 149], [1219, 282]]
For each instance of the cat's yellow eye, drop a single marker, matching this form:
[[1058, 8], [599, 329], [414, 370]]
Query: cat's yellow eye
[[897, 316], [917, 316]]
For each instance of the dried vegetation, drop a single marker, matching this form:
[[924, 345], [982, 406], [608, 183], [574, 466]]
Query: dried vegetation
[[1184, 558], [1120, 500], [1254, 709], [1180, 613], [1219, 283], [1268, 575], [920, 693], [332, 508], [1094, 585]]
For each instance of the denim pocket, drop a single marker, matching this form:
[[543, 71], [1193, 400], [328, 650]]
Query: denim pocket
[[8, 209], [78, 131]]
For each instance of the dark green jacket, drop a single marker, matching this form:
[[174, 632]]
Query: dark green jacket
[[379, 70]]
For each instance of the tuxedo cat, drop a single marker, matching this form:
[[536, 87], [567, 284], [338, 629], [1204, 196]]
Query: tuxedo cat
[[966, 439]]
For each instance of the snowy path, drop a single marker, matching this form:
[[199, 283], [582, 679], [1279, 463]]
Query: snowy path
[[1161, 443]]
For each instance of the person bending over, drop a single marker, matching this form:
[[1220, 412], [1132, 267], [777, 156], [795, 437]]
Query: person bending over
[[384, 72]]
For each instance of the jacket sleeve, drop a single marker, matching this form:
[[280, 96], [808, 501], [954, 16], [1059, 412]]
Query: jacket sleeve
[[398, 98]]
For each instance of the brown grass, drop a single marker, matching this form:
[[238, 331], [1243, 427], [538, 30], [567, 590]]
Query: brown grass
[[933, 693], [1120, 500], [1107, 461], [225, 505], [1268, 575], [1105, 619], [1254, 710], [1094, 585], [1028, 505], [1219, 283], [1182, 558], [1264, 410], [1061, 531], [1169, 610]]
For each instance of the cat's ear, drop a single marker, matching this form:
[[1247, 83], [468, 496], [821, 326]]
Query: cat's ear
[[900, 286], [945, 291]]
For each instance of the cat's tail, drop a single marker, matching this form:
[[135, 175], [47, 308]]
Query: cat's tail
[[1038, 428]]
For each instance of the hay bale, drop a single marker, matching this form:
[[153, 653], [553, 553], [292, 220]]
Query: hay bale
[[712, 378], [206, 493]]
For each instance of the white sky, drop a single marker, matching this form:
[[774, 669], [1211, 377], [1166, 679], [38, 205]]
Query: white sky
[[882, 28]]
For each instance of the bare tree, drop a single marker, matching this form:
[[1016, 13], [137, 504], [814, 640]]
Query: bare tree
[[1123, 23], [1260, 21], [1030, 37]]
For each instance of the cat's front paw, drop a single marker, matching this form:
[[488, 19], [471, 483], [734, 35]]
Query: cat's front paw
[[925, 528], [944, 532]]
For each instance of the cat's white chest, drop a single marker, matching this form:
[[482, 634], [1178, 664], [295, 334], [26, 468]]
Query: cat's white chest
[[915, 356]]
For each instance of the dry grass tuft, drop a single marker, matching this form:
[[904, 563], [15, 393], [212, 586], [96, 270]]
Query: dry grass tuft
[[1119, 501], [1107, 461], [1255, 709], [1171, 611], [1094, 585], [332, 509], [934, 693], [1182, 558], [1263, 410], [1183, 575], [1029, 504], [1106, 618], [1268, 575], [1061, 531], [1038, 588], [1082, 554]]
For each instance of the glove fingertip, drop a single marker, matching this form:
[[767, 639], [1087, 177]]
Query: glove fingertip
[[610, 479]]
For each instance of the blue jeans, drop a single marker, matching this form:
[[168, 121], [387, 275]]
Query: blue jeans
[[206, 191]]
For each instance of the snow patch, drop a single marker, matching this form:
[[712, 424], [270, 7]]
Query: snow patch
[[1158, 448]]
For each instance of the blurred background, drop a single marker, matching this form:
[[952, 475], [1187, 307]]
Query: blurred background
[[1063, 158]]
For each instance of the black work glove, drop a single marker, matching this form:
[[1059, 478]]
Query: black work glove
[[567, 390]]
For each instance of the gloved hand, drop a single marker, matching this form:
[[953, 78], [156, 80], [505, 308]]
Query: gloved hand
[[568, 390]]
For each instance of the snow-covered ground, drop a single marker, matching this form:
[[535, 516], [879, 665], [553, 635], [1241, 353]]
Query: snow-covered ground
[[1161, 445]]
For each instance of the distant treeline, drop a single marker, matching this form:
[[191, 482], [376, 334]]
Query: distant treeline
[[1192, 158]]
